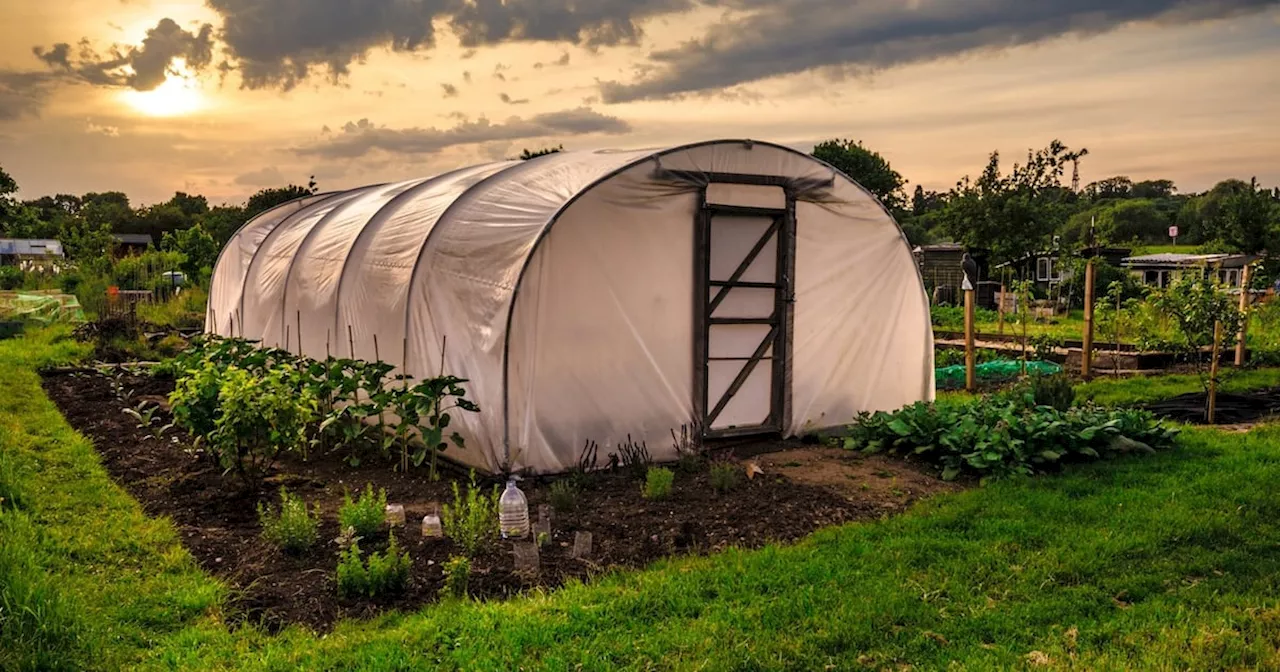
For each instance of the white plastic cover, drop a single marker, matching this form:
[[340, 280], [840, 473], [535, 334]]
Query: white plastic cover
[[601, 310]]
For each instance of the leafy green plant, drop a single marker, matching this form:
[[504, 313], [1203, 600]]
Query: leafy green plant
[[1045, 346], [426, 407], [383, 573], [258, 418], [658, 483], [1007, 435], [472, 520], [366, 514], [291, 527], [725, 476], [457, 575], [1054, 391], [145, 415], [563, 495], [1195, 305]]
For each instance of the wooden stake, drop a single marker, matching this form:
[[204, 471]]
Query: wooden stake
[[1213, 370], [299, 315], [1244, 312], [286, 337], [1000, 311], [969, 382], [1115, 359], [351, 341], [376, 357], [327, 335], [1025, 303], [1086, 352]]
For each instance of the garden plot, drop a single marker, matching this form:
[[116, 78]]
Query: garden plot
[[217, 519]]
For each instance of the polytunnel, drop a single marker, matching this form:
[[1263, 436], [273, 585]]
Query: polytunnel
[[729, 288]]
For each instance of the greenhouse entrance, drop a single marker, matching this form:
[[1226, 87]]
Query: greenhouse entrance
[[745, 239]]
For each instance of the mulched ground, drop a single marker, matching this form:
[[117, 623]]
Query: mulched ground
[[1229, 409], [799, 492]]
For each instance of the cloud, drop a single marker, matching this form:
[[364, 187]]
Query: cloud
[[23, 94], [767, 38], [449, 90], [109, 131], [142, 68], [360, 138], [280, 43], [267, 177], [466, 76], [512, 101]]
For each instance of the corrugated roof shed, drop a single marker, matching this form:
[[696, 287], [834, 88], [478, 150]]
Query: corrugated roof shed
[[13, 246]]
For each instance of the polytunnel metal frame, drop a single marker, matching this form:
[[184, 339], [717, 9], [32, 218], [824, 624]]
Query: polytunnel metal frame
[[792, 187]]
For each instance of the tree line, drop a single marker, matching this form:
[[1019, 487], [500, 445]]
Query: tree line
[[1011, 213]]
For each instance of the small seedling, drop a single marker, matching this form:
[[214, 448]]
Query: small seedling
[[658, 482], [457, 574], [292, 528], [471, 521], [147, 419], [725, 476], [564, 495], [366, 514], [386, 572]]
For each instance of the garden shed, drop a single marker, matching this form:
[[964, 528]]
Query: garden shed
[[729, 287]]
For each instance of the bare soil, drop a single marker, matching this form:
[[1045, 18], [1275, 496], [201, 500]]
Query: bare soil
[[801, 489], [1229, 409]]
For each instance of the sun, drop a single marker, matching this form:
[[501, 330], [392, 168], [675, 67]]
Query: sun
[[180, 94]]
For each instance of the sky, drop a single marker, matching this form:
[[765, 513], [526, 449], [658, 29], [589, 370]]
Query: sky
[[225, 97]]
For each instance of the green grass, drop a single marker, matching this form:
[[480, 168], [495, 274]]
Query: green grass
[[1166, 562], [1145, 389]]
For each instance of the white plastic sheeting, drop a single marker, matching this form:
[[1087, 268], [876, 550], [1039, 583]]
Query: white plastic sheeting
[[565, 289]]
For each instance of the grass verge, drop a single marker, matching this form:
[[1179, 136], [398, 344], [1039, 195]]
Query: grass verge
[[1167, 562]]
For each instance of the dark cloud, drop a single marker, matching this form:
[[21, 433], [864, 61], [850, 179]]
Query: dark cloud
[[141, 67], [279, 43], [23, 94], [360, 138], [595, 23], [276, 43], [449, 90], [466, 76], [512, 101], [768, 38]]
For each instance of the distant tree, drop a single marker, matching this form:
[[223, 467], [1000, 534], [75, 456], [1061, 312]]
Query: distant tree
[[1124, 222], [1246, 219], [223, 221], [923, 202], [867, 168], [198, 249], [1015, 214], [1153, 189], [526, 154], [190, 205], [1110, 188], [269, 198]]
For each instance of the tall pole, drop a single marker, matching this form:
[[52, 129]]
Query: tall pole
[[1213, 370], [968, 341], [1000, 306], [1086, 351], [1086, 354], [1244, 314]]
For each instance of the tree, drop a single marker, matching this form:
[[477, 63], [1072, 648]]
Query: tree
[[189, 205], [1136, 220], [924, 202], [525, 155], [1015, 214], [269, 198], [198, 248], [223, 221], [1110, 188], [1153, 189], [867, 168], [1243, 217]]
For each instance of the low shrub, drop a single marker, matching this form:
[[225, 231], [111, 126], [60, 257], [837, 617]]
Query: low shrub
[[258, 418], [1004, 436], [472, 520], [384, 573], [952, 317], [725, 476], [1054, 391], [291, 528], [457, 577], [658, 482], [366, 514], [564, 495]]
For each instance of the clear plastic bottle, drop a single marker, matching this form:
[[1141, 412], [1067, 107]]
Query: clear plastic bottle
[[513, 512]]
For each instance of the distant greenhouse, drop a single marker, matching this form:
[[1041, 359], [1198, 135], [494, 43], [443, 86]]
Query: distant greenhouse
[[734, 287]]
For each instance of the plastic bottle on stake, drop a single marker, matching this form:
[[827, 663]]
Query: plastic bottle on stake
[[513, 512]]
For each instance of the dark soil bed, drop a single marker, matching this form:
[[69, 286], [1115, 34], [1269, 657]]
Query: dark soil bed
[[1229, 409], [217, 521]]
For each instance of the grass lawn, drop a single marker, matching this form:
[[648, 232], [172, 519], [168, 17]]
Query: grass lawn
[[1167, 562]]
